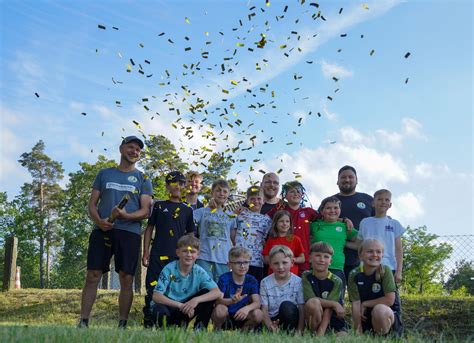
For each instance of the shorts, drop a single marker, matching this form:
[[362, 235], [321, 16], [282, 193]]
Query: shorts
[[123, 245], [214, 269], [337, 324], [396, 329]]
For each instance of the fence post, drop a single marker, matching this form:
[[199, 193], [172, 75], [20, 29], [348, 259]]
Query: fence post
[[9, 270]]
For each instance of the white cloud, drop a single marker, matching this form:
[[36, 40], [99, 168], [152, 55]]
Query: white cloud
[[328, 114], [407, 207], [424, 170], [412, 128], [330, 70]]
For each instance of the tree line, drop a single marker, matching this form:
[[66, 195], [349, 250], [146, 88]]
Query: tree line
[[53, 227]]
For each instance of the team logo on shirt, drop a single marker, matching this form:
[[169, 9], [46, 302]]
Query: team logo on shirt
[[376, 288], [361, 205], [302, 215], [339, 229], [132, 178], [325, 294]]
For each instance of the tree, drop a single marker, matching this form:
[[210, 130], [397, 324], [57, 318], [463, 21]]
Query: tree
[[71, 266], [423, 259], [43, 195], [461, 276], [159, 158]]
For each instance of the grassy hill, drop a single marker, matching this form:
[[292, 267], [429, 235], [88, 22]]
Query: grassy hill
[[424, 317]]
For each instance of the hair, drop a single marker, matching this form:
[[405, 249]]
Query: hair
[[269, 174], [191, 175], [293, 185], [188, 241], [281, 249], [322, 247], [235, 252], [382, 191], [346, 167], [220, 183], [328, 200], [380, 271], [254, 191], [276, 217]]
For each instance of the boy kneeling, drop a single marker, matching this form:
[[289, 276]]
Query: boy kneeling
[[240, 306], [323, 292], [184, 289]]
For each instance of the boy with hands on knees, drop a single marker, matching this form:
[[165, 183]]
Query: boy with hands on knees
[[240, 306], [184, 290], [322, 291]]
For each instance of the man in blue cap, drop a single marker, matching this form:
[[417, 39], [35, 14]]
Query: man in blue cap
[[120, 199]]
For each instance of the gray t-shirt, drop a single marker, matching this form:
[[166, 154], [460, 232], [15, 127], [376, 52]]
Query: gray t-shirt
[[214, 228], [113, 184], [273, 294], [385, 230]]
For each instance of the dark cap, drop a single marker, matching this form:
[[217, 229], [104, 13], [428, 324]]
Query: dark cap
[[129, 139], [174, 176]]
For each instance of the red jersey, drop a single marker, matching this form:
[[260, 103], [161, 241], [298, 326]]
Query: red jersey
[[301, 219], [294, 243]]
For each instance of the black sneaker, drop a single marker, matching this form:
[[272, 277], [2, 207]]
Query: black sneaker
[[122, 324], [83, 323], [148, 323]]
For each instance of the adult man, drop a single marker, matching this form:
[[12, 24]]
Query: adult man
[[355, 206], [270, 185], [116, 230], [192, 189]]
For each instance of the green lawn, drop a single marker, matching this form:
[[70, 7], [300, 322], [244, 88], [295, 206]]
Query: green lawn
[[32, 315]]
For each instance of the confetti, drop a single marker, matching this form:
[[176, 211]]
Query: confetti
[[407, 54], [164, 258], [102, 27], [37, 95]]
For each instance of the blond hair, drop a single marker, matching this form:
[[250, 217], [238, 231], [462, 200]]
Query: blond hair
[[283, 249], [382, 191], [236, 252], [322, 247], [188, 241], [380, 271]]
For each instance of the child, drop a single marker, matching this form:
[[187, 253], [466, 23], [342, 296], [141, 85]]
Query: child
[[184, 290], [172, 219], [322, 291], [372, 291], [193, 187], [334, 232], [281, 233], [293, 194], [386, 230], [282, 294], [240, 305], [216, 232], [252, 230]]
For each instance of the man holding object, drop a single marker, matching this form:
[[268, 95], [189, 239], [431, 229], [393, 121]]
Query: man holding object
[[116, 230]]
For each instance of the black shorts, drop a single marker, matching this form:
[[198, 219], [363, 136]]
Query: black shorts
[[123, 245], [396, 329]]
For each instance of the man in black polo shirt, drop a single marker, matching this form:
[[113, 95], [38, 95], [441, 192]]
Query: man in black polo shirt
[[171, 219], [355, 206]]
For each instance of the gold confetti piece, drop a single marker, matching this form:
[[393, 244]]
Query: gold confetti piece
[[171, 233], [365, 6], [190, 248], [164, 258], [283, 46], [235, 83], [153, 283], [213, 210], [240, 44], [187, 20], [372, 52], [206, 33]]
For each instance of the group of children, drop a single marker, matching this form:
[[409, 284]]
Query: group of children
[[218, 271]]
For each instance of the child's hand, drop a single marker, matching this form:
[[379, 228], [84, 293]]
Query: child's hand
[[241, 314], [275, 326], [212, 204], [349, 224], [362, 312], [340, 312], [238, 296], [398, 276], [189, 306], [145, 260]]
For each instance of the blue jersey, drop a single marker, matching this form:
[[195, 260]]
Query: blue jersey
[[229, 288]]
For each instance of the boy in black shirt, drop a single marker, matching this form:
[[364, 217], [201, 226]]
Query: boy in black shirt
[[172, 219]]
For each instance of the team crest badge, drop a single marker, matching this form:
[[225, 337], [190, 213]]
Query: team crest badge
[[302, 215], [376, 288], [361, 205], [339, 229], [132, 178], [325, 294]]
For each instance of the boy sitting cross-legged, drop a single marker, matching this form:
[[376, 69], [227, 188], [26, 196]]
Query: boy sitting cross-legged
[[322, 291], [240, 306], [184, 289]]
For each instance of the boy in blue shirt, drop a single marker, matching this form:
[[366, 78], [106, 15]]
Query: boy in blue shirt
[[184, 290], [240, 306]]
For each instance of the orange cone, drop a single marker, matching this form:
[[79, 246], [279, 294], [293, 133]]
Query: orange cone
[[17, 278]]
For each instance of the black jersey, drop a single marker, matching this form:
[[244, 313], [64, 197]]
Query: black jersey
[[328, 289]]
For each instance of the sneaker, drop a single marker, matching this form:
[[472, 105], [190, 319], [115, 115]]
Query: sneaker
[[83, 323]]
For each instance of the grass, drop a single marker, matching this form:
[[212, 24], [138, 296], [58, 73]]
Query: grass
[[31, 315]]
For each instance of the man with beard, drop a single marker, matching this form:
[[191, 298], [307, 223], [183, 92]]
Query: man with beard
[[355, 206], [271, 186], [117, 229]]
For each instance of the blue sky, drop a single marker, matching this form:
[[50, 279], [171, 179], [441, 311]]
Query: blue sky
[[414, 138]]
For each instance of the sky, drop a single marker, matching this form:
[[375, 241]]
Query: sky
[[384, 86]]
